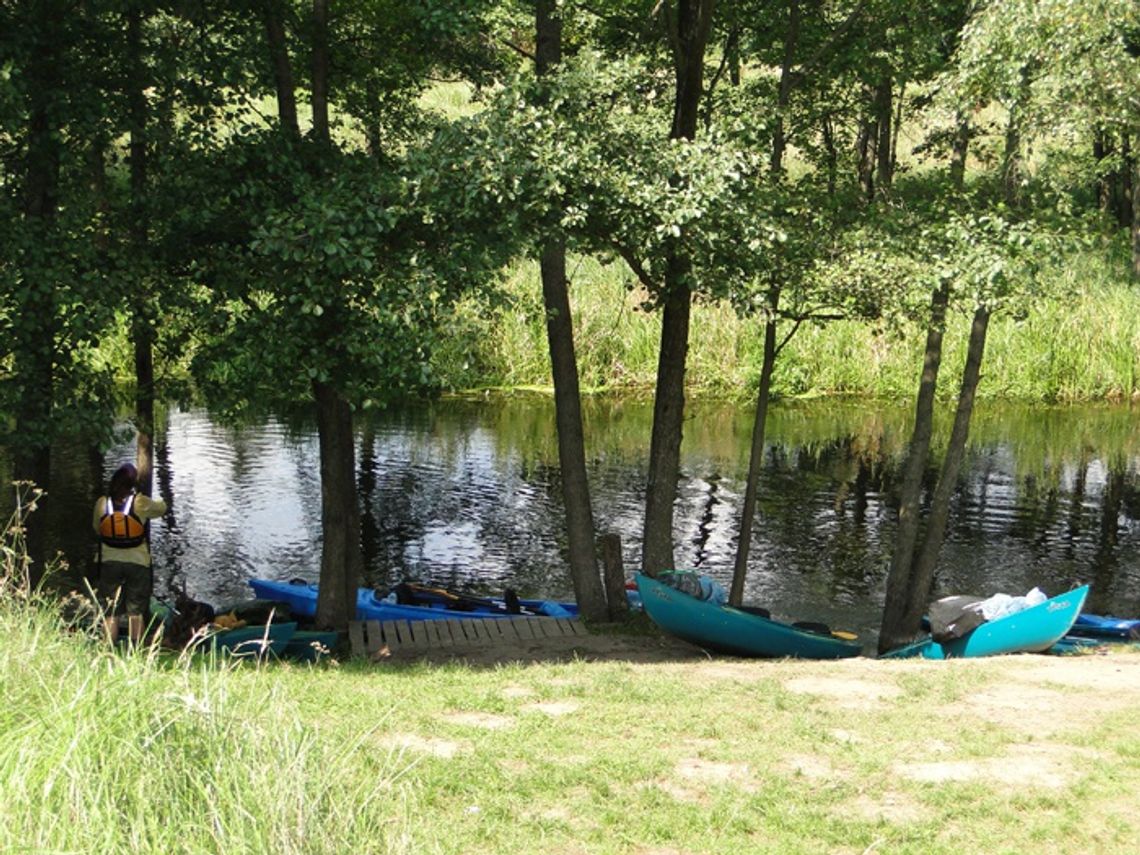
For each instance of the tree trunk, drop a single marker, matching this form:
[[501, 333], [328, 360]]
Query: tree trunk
[[892, 634], [922, 575], [755, 460], [884, 119], [1124, 182], [616, 598], [1011, 171], [142, 328], [282, 68], [1102, 184], [341, 559], [320, 61], [1135, 173], [665, 442], [784, 93], [580, 534], [827, 132], [689, 25], [959, 151], [864, 158], [34, 348]]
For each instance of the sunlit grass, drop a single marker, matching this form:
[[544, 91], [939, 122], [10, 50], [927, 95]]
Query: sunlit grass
[[1081, 344]]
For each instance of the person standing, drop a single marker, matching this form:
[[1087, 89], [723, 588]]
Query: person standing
[[121, 522]]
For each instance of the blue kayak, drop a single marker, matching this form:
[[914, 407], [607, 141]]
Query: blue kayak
[[302, 600], [1106, 627], [729, 630], [1032, 630]]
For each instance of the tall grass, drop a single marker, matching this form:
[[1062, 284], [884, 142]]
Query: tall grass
[[140, 750], [1080, 346]]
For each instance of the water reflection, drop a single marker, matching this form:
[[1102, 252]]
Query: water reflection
[[467, 493]]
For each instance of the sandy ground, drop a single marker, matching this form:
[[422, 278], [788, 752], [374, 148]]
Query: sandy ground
[[1043, 698]]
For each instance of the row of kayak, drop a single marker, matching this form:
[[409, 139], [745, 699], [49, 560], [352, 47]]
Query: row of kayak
[[1056, 625]]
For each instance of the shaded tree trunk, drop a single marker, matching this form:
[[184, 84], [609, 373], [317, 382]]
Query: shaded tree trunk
[[1011, 168], [884, 120], [142, 327], [341, 559], [320, 71], [893, 632], [827, 132], [784, 93], [922, 574], [272, 15], [1135, 192], [755, 459], [689, 25], [580, 533], [1102, 148], [340, 516], [959, 151], [1124, 183], [34, 348]]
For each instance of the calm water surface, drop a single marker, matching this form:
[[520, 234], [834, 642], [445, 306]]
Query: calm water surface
[[467, 494]]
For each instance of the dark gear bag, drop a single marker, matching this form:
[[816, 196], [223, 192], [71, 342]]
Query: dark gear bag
[[953, 617]]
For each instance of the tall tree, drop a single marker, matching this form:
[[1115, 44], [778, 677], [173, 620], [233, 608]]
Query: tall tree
[[991, 262], [688, 23], [580, 532]]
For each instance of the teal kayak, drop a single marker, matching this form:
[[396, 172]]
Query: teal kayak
[[737, 632], [253, 641], [1032, 630], [310, 645]]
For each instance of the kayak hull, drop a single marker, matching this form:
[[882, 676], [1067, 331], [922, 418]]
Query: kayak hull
[[1032, 630], [302, 600], [1106, 627], [254, 642], [728, 630]]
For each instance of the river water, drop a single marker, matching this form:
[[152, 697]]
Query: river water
[[466, 493]]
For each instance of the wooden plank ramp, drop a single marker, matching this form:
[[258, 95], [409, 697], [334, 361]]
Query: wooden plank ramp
[[375, 638]]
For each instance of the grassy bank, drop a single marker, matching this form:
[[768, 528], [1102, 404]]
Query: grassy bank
[[1083, 347], [109, 752]]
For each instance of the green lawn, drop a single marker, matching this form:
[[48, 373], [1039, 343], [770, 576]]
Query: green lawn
[[101, 751]]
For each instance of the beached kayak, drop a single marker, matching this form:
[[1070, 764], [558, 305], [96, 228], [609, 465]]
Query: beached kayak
[[735, 631], [1031, 630], [433, 603]]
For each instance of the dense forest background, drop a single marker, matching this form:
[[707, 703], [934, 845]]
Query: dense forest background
[[270, 203]]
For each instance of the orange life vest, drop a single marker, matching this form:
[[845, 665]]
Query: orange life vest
[[121, 529]]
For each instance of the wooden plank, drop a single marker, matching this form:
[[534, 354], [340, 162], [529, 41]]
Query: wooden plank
[[572, 626], [356, 637], [458, 636], [391, 635], [374, 637], [525, 630], [417, 634], [433, 633], [491, 629]]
